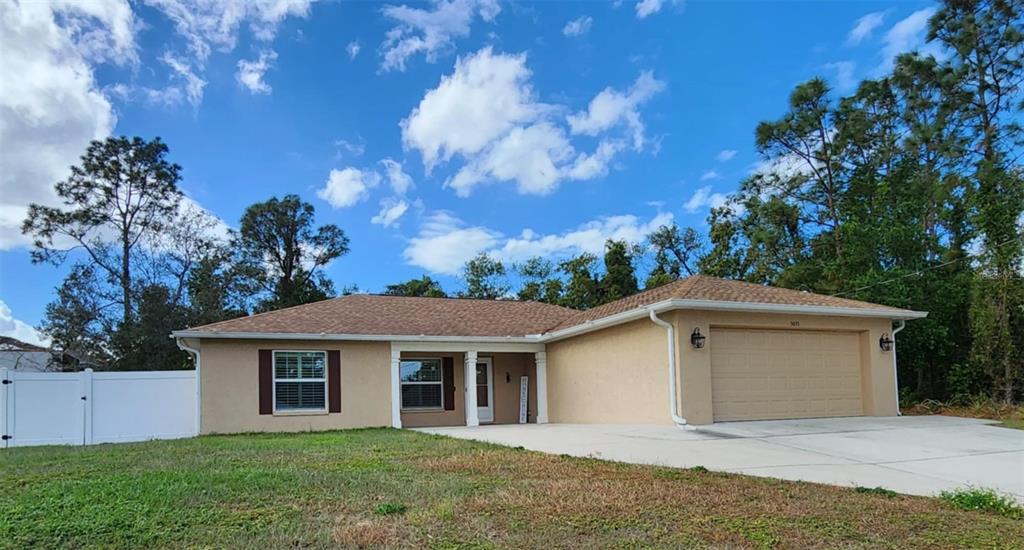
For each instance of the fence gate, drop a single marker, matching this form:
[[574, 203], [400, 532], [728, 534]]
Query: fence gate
[[81, 408]]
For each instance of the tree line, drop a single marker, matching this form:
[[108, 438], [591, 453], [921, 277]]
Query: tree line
[[908, 192]]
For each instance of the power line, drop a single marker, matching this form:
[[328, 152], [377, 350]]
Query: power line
[[921, 271]]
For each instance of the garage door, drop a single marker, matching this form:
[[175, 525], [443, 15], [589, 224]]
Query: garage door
[[774, 374]]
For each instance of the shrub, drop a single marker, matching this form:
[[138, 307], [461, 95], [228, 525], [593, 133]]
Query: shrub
[[389, 509], [984, 500], [881, 491]]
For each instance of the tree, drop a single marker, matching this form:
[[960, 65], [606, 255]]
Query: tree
[[281, 253], [216, 291], [676, 252], [619, 278], [485, 278], [540, 281], [123, 191], [583, 287], [422, 287], [78, 321], [144, 344]]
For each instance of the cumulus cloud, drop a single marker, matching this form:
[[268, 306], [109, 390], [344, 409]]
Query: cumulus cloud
[[347, 186], [390, 211], [906, 35], [53, 107], [645, 8], [352, 49], [430, 31], [864, 27], [18, 329], [725, 155], [612, 107], [704, 198], [400, 181], [529, 156], [250, 73], [445, 243], [578, 26]]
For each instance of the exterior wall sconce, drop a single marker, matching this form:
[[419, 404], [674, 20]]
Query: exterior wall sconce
[[885, 342], [697, 339]]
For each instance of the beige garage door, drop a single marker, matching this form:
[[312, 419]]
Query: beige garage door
[[772, 374]]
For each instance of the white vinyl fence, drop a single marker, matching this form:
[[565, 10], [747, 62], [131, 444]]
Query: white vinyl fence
[[82, 408]]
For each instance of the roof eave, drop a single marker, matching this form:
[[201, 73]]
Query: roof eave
[[227, 335]]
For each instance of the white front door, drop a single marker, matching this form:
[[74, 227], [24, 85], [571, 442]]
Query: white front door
[[485, 389]]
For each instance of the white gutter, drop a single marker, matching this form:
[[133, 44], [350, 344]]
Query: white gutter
[[895, 373], [199, 385], [533, 339], [672, 386]]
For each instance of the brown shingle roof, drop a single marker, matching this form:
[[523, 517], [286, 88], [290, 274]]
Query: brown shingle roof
[[702, 287], [399, 315], [366, 314]]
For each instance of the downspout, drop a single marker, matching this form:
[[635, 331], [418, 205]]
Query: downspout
[[672, 386], [895, 372], [199, 387]]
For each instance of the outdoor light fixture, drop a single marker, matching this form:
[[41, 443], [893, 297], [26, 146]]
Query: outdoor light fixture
[[885, 342], [697, 339]]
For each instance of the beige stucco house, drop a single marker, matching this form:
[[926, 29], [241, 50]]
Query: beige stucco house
[[695, 351]]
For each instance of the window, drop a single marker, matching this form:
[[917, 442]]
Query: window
[[421, 384], [300, 381]]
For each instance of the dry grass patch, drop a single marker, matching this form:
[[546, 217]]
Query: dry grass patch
[[1010, 416]]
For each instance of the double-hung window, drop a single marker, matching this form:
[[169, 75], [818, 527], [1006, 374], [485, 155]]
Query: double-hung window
[[421, 384], [300, 381]]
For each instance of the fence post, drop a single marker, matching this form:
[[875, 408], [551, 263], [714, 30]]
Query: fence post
[[6, 387], [85, 381]]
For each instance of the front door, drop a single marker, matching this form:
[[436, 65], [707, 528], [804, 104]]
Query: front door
[[485, 390]]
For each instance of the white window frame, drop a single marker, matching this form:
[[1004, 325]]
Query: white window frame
[[275, 380], [440, 364]]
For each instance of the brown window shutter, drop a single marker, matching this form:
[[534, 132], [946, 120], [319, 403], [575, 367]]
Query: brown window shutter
[[266, 381], [448, 382], [334, 380]]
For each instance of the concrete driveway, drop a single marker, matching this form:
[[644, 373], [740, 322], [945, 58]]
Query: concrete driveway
[[919, 455]]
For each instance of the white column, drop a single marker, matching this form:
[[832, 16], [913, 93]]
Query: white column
[[396, 389], [472, 418], [541, 358]]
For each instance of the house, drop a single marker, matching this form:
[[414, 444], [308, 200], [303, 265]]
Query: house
[[695, 351], [22, 356]]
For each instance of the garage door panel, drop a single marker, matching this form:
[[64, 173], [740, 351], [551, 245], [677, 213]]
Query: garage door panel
[[774, 374]]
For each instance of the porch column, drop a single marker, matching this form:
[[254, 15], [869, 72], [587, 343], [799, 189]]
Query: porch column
[[396, 389], [541, 358], [472, 419]]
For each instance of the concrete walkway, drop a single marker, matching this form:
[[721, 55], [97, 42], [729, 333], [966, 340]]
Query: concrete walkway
[[919, 455]]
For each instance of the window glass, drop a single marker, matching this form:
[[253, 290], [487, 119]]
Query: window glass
[[300, 381], [421, 384]]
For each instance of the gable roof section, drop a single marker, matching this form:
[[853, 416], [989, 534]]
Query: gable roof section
[[377, 317], [738, 295], [367, 314]]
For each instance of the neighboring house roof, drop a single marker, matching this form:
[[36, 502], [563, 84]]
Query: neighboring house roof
[[375, 315], [401, 315], [13, 344], [701, 288]]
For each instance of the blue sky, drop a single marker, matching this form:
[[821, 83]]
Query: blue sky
[[428, 132]]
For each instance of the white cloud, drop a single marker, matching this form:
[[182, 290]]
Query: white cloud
[[444, 244], [188, 83], [578, 26], [484, 98], [399, 180], [587, 167], [390, 211], [352, 49], [864, 27], [704, 198], [50, 104], [430, 31], [906, 35], [250, 73], [725, 155], [845, 80], [347, 186], [530, 156], [354, 148], [710, 175], [645, 8], [18, 329], [612, 107]]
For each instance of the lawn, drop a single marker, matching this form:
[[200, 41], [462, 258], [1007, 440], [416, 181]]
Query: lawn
[[399, 488]]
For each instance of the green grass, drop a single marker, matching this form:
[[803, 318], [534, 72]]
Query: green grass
[[984, 500], [881, 491], [373, 488]]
